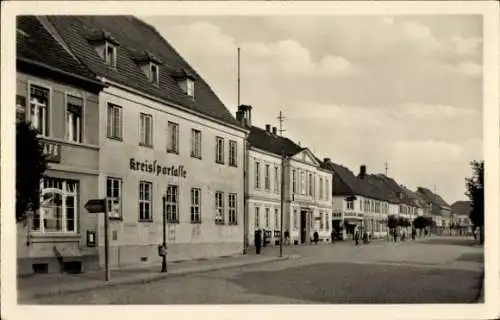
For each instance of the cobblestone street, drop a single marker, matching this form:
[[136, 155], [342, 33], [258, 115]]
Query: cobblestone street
[[437, 270]]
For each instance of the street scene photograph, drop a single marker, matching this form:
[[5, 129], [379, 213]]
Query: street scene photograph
[[255, 159]]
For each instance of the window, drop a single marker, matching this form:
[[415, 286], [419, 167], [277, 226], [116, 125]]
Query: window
[[294, 182], [321, 222], [257, 218], [295, 219], [20, 108], [154, 73], [74, 111], [146, 129], [39, 109], [327, 190], [58, 206], [276, 179], [277, 220], [145, 199], [114, 121], [327, 222], [302, 183], [171, 204], [267, 217], [196, 143], [110, 55], [350, 205], [173, 137], [219, 207], [114, 196], [233, 149], [195, 205], [320, 188], [257, 175], [190, 87], [219, 150], [233, 218], [310, 184], [267, 179]]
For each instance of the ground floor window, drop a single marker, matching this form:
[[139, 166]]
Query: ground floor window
[[257, 218], [172, 204], [58, 206], [145, 199], [219, 207], [195, 205], [233, 208]]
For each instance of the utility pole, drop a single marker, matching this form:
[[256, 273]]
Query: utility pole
[[245, 166], [281, 119], [386, 166], [239, 88]]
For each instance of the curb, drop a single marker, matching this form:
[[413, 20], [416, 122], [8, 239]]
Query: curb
[[147, 279]]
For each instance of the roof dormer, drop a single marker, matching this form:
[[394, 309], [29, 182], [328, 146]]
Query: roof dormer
[[105, 45], [150, 65], [185, 80]]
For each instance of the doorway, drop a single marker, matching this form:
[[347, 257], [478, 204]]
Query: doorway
[[303, 226]]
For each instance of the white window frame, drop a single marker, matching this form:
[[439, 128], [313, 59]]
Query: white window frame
[[145, 133], [267, 217], [320, 188], [350, 204], [233, 153], [114, 130], [172, 203], [196, 143], [219, 150], [172, 137], [276, 179], [219, 207], [145, 201], [195, 205], [302, 183], [267, 177], [111, 63], [115, 198], [257, 175], [327, 190], [190, 87], [233, 208], [65, 188], [257, 218], [35, 107], [69, 120]]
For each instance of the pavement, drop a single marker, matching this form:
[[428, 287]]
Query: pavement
[[434, 270], [38, 286]]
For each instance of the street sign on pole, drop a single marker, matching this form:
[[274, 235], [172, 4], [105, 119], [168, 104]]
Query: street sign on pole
[[99, 206]]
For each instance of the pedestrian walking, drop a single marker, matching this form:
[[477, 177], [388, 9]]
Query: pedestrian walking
[[356, 236]]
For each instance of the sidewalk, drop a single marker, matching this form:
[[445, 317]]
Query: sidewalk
[[58, 284]]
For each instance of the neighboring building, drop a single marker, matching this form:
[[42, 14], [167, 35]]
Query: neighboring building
[[59, 96], [168, 146], [439, 210], [307, 203], [460, 211], [358, 202]]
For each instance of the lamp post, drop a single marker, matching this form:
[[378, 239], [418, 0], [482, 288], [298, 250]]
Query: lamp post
[[164, 244]]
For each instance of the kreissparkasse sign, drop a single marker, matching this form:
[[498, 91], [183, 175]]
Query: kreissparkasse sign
[[155, 168]]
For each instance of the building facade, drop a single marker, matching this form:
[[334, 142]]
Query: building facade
[[59, 97], [307, 204], [169, 148]]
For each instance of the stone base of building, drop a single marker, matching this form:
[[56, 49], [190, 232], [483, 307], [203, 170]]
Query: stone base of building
[[34, 265], [145, 255]]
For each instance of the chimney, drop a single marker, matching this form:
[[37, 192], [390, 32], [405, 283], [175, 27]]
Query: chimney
[[362, 171], [274, 131], [326, 160], [244, 115], [268, 128]]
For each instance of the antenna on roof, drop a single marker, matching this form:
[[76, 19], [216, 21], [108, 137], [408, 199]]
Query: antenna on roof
[[281, 119], [386, 166], [238, 76]]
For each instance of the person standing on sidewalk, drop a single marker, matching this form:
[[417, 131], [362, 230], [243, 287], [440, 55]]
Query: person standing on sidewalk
[[356, 236], [258, 241]]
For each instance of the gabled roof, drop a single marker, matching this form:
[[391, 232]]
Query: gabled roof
[[35, 44], [267, 141], [385, 188], [461, 208], [436, 200], [135, 36]]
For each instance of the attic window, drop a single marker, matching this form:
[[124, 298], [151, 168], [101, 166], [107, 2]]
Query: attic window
[[190, 87], [185, 79], [110, 54], [154, 73]]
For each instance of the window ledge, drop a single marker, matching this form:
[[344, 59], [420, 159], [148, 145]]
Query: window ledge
[[54, 237], [145, 220], [173, 221], [173, 151], [115, 138], [146, 145], [219, 162]]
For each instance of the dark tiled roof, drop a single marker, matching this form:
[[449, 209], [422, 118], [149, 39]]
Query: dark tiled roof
[[399, 192], [384, 188], [267, 141], [461, 208], [435, 199], [35, 43], [134, 37]]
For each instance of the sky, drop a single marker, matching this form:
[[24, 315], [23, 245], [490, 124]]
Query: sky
[[360, 90]]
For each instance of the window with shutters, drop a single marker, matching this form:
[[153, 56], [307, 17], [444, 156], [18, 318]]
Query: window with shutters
[[74, 118]]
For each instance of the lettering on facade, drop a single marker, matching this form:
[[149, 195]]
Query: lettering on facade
[[52, 151], [154, 168]]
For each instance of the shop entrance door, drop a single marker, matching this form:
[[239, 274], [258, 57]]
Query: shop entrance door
[[303, 226]]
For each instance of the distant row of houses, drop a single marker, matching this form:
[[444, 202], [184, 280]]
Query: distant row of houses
[[123, 116]]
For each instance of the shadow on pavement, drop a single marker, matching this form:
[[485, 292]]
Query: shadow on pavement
[[451, 241], [472, 257], [364, 283]]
